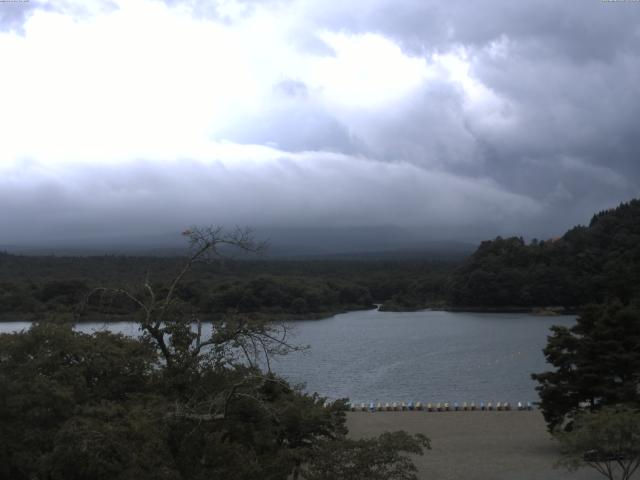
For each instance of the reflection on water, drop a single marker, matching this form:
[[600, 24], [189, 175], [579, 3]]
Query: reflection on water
[[426, 356]]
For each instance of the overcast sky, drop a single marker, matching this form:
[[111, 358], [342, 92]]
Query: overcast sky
[[143, 116]]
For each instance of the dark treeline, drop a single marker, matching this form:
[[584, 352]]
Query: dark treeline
[[32, 286], [596, 361], [586, 265]]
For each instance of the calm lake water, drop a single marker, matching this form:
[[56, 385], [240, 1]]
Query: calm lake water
[[371, 356]]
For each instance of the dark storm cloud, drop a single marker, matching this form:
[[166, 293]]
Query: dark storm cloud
[[428, 129], [577, 29], [531, 131], [568, 72], [579, 110], [309, 189]]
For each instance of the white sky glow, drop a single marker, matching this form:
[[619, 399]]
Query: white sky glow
[[150, 81]]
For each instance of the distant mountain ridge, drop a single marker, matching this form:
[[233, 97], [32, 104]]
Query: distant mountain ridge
[[587, 264], [295, 243]]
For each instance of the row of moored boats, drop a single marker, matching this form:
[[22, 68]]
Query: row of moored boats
[[438, 407]]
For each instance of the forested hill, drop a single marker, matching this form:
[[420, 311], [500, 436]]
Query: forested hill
[[38, 286], [587, 264]]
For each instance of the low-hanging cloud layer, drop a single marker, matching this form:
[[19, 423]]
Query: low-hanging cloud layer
[[140, 116]]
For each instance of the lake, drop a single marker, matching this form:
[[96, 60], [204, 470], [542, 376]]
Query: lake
[[428, 356]]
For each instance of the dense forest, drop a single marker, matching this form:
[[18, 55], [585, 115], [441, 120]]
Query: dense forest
[[42, 285], [587, 264]]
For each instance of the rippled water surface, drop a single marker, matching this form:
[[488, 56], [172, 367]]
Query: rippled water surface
[[427, 356]]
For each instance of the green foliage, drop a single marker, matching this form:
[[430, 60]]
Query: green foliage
[[176, 403], [587, 264], [111, 440], [53, 381], [41, 286], [381, 458], [597, 362], [65, 292], [103, 406], [269, 294], [607, 440]]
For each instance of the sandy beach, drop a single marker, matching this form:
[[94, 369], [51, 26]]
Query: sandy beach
[[476, 445]]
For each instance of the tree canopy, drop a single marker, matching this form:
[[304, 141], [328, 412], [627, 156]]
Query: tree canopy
[[607, 440], [179, 402], [585, 265], [597, 363]]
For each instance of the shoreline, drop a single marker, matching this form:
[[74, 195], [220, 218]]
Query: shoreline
[[67, 317], [548, 311]]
